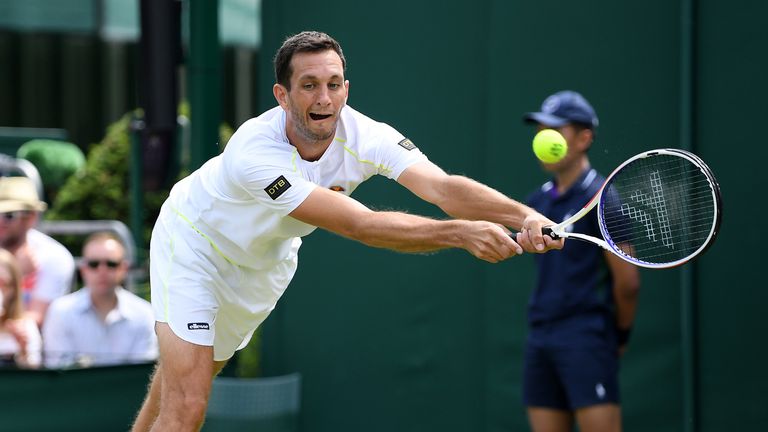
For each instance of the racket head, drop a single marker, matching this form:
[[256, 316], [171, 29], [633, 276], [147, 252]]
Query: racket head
[[660, 208]]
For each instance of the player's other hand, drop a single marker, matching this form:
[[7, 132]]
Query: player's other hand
[[531, 239], [489, 241]]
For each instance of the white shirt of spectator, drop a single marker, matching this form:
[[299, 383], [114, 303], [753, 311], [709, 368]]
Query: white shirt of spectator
[[55, 267], [75, 334]]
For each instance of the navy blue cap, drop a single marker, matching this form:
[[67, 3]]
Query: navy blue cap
[[562, 108]]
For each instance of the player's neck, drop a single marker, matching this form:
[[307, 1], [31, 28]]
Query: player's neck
[[312, 151], [309, 149], [570, 174]]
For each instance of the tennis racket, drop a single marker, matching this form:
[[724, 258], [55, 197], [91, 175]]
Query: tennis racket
[[659, 209]]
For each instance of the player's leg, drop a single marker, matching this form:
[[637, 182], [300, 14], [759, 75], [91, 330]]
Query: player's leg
[[185, 374], [151, 406], [180, 301], [599, 418]]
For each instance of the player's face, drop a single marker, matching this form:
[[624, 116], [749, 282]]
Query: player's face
[[318, 93], [103, 266]]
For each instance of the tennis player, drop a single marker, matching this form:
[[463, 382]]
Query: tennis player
[[225, 245]]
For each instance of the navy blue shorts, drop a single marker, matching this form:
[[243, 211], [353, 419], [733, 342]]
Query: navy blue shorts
[[570, 372]]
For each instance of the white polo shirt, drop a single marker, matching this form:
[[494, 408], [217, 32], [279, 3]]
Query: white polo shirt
[[241, 197]]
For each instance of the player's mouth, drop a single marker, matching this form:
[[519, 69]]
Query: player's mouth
[[319, 117]]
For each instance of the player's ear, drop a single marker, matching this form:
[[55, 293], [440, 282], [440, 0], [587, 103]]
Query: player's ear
[[346, 85], [281, 95]]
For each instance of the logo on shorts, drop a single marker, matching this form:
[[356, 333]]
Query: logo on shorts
[[600, 390], [198, 326], [277, 187], [407, 144]]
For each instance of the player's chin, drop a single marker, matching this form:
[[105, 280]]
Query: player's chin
[[323, 130]]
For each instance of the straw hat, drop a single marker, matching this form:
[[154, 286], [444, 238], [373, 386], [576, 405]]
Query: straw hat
[[19, 193]]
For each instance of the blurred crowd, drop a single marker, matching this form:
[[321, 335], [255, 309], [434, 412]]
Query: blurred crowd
[[46, 318]]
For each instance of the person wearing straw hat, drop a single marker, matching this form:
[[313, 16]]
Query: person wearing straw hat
[[47, 267]]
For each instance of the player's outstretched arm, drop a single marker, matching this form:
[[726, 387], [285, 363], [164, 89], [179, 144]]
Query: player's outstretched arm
[[464, 198], [403, 232]]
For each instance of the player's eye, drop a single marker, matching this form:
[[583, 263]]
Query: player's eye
[[308, 86], [334, 86]]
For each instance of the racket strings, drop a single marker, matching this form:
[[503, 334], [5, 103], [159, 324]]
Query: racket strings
[[658, 209]]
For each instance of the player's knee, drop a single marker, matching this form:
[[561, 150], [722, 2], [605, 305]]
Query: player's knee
[[190, 410]]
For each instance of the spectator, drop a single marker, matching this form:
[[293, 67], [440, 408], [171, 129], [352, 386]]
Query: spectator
[[102, 323], [46, 266], [19, 336]]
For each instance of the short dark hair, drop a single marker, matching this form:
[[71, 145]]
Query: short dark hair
[[307, 41]]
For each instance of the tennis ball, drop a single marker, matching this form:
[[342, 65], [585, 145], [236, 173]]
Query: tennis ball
[[549, 146]]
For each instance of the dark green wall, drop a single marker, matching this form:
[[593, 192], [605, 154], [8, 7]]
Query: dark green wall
[[93, 399], [425, 343], [731, 91]]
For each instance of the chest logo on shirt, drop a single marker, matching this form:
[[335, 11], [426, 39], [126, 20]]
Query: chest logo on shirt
[[277, 187], [407, 144], [336, 188]]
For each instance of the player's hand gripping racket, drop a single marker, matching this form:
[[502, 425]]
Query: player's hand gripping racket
[[658, 209]]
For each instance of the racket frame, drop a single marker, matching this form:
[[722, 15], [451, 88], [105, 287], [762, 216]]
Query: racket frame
[[559, 230]]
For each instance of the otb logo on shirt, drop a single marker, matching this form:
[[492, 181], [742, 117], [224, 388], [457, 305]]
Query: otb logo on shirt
[[407, 144], [198, 326], [277, 187]]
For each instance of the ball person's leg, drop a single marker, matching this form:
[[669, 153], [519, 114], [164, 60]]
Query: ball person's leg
[[599, 418], [549, 420]]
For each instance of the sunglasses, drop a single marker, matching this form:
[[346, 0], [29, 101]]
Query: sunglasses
[[94, 264], [10, 216]]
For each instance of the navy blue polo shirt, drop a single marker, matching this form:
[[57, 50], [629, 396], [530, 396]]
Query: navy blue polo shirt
[[573, 283]]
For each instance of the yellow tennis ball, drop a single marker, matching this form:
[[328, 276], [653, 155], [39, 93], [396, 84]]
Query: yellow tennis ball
[[549, 146]]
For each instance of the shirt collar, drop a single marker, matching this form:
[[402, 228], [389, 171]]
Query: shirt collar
[[581, 184], [84, 303]]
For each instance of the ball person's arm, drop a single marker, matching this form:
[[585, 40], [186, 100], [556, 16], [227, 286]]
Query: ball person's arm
[[626, 289], [464, 198], [403, 232]]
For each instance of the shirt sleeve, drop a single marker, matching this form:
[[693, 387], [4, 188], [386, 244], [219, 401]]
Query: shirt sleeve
[[395, 152], [55, 272], [269, 176]]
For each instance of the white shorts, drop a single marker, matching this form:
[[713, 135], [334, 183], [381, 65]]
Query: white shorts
[[205, 298]]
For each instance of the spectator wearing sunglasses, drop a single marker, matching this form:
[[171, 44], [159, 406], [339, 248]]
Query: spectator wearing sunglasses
[[47, 267], [102, 323]]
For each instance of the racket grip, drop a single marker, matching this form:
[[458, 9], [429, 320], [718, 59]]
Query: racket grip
[[548, 232]]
